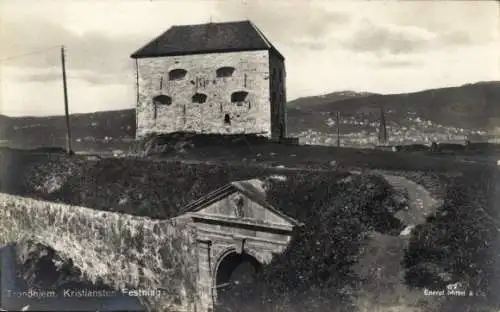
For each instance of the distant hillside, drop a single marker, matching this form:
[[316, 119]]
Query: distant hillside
[[93, 129], [446, 114], [312, 102]]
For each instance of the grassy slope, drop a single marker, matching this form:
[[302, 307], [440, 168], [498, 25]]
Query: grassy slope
[[157, 188]]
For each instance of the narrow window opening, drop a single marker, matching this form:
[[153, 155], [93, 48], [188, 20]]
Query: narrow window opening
[[199, 98], [226, 71], [227, 119], [177, 74]]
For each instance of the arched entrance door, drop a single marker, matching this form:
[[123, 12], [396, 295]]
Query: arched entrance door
[[234, 270]]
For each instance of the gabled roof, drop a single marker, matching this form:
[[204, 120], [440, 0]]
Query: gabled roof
[[207, 38], [253, 189]]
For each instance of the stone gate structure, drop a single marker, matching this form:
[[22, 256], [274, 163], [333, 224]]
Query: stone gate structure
[[203, 245], [235, 224]]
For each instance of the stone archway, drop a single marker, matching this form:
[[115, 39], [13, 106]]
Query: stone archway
[[234, 269], [31, 265]]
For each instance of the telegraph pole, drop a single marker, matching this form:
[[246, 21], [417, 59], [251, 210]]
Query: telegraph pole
[[66, 109], [382, 128], [338, 131]]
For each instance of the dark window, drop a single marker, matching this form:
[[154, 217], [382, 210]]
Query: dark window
[[239, 96], [225, 72], [162, 100], [227, 119], [199, 98], [177, 74], [273, 97]]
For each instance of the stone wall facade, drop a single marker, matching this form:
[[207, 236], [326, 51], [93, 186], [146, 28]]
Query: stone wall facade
[[278, 95], [219, 113], [121, 250]]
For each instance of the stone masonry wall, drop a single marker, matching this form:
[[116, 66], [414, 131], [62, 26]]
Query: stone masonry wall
[[278, 95], [121, 250], [251, 75]]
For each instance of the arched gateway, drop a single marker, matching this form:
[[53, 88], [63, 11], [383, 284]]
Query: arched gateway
[[236, 268], [238, 231]]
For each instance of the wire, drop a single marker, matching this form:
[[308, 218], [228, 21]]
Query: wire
[[29, 53]]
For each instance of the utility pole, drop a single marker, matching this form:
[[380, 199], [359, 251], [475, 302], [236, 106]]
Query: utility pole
[[66, 109], [338, 131], [382, 137]]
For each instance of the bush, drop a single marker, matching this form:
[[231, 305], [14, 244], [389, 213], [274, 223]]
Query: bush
[[316, 268], [459, 242]]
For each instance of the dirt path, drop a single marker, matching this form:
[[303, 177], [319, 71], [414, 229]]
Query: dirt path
[[380, 262], [421, 202]]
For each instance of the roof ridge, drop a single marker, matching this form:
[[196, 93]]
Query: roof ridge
[[200, 201], [261, 34], [212, 23], [227, 36]]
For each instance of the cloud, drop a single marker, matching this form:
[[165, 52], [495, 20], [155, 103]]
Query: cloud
[[456, 38], [40, 96], [377, 37], [39, 77], [90, 77], [297, 23], [88, 55], [309, 44], [395, 63], [372, 37], [357, 27]]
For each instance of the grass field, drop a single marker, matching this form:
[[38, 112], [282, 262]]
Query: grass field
[[157, 185]]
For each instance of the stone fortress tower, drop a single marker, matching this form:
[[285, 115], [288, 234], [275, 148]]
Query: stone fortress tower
[[214, 78]]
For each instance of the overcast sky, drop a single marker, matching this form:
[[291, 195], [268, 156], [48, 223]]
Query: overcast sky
[[376, 46]]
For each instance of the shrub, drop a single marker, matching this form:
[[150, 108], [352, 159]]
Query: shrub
[[316, 268], [459, 242]]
